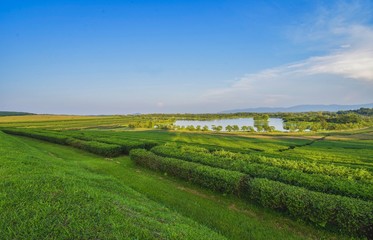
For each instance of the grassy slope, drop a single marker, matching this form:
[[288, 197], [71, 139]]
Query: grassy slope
[[232, 217], [46, 196]]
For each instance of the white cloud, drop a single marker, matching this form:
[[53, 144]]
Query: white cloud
[[355, 63], [341, 71]]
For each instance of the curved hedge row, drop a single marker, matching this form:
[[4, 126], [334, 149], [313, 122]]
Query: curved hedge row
[[346, 214], [213, 178], [100, 148], [315, 182], [54, 138], [126, 144], [341, 213], [304, 166], [330, 169], [97, 147]]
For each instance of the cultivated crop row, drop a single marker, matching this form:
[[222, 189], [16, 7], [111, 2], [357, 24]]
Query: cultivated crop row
[[186, 151], [346, 214], [315, 182], [103, 147], [125, 143]]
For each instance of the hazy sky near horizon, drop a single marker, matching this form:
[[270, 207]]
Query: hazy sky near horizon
[[117, 57]]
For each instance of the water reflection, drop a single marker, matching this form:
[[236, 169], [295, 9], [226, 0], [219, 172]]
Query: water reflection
[[243, 124]]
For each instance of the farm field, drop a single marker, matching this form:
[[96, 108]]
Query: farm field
[[186, 120], [46, 196], [130, 183]]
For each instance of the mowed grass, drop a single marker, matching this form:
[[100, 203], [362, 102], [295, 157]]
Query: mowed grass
[[49, 195], [227, 215]]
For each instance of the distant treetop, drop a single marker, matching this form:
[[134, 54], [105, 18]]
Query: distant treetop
[[6, 113]]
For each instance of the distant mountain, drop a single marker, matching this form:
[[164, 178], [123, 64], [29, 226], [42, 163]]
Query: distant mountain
[[7, 113], [302, 108]]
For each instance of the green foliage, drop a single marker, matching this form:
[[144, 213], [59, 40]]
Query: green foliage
[[225, 214], [315, 121], [49, 137], [351, 215], [6, 113], [332, 166], [359, 174], [211, 178], [228, 128], [125, 144], [311, 120], [361, 111], [46, 196], [216, 128], [100, 146], [240, 161], [232, 161], [319, 208], [315, 182], [263, 117]]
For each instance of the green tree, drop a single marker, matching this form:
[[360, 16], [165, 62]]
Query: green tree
[[229, 128], [191, 128], [150, 124], [219, 128]]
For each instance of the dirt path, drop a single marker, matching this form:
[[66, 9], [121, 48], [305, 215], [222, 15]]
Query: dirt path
[[303, 145]]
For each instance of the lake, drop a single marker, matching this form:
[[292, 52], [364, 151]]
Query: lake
[[275, 122]]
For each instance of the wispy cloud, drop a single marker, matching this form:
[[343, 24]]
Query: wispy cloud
[[348, 61]]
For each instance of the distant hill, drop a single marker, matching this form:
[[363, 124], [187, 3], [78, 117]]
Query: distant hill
[[6, 113], [302, 108]]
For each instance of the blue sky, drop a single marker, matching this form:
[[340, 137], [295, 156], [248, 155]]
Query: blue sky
[[117, 57]]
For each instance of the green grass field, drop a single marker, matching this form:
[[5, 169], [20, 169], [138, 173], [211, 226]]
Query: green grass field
[[59, 183], [47, 196]]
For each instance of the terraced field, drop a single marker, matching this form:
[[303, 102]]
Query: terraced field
[[214, 185]]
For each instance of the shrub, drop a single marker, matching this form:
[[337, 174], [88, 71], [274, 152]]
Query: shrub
[[104, 149], [213, 178], [315, 182], [100, 146], [54, 138], [346, 214]]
